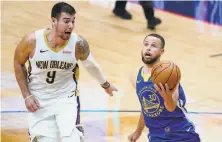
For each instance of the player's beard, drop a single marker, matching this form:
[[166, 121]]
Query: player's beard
[[151, 60]]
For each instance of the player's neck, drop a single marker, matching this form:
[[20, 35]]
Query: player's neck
[[54, 40], [148, 67]]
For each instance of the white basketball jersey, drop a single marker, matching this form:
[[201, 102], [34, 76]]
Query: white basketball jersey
[[51, 72]]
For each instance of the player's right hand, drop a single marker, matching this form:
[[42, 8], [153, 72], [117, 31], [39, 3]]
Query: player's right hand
[[134, 136], [32, 104], [111, 89]]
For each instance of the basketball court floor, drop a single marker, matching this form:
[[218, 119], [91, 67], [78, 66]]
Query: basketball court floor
[[116, 45]]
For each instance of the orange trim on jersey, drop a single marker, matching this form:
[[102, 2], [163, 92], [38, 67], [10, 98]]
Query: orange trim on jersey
[[145, 76], [54, 49]]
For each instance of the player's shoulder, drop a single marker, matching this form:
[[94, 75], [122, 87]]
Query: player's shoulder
[[75, 36], [133, 74], [29, 38], [137, 69], [79, 37], [81, 42], [27, 43], [32, 36]]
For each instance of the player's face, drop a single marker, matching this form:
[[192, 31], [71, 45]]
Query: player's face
[[65, 25], [152, 50]]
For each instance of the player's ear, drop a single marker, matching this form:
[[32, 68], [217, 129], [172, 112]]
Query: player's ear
[[162, 51], [54, 21]]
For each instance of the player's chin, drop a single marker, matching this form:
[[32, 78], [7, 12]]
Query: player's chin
[[66, 37], [147, 61]]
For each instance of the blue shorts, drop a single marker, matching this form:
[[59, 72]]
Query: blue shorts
[[179, 132], [176, 137]]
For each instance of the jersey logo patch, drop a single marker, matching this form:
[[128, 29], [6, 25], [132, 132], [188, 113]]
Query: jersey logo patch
[[150, 102], [66, 52]]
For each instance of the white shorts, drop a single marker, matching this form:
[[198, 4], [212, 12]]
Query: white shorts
[[56, 118]]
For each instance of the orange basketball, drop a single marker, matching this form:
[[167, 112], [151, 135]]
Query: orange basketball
[[166, 72]]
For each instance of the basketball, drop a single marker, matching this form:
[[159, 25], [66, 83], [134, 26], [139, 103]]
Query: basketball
[[166, 72]]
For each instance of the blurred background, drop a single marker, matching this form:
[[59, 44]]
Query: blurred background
[[193, 34]]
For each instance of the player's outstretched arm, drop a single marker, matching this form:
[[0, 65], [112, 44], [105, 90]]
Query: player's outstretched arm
[[135, 135], [93, 68], [22, 52]]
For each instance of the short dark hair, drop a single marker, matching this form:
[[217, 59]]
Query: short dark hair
[[157, 36], [60, 7]]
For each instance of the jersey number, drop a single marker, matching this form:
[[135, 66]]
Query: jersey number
[[51, 77], [152, 97]]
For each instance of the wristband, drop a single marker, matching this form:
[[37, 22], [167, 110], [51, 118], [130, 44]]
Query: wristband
[[105, 85], [28, 97]]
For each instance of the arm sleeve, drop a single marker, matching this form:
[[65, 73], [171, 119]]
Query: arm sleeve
[[94, 69]]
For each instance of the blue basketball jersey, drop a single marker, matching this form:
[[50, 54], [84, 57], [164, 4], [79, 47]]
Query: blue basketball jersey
[[162, 124]]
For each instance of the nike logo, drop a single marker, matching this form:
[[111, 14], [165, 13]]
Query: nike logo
[[138, 81], [188, 129], [42, 51]]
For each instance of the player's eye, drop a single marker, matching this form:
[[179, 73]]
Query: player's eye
[[66, 21], [153, 45]]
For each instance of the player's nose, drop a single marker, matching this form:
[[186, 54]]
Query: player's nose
[[71, 25], [148, 48]]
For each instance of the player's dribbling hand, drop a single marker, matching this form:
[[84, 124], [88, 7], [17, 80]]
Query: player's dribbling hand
[[134, 136], [164, 91], [110, 90], [32, 104]]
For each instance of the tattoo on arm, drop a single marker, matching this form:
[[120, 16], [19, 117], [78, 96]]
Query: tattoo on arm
[[82, 48]]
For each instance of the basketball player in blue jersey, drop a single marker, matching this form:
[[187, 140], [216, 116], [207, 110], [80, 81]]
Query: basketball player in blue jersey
[[162, 110], [49, 87]]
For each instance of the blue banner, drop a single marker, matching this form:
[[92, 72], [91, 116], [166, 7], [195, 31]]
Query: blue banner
[[208, 11]]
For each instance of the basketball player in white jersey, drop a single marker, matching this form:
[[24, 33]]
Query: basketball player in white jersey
[[49, 87]]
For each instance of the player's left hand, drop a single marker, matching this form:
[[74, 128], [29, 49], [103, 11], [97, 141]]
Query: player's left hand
[[110, 90], [164, 90]]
